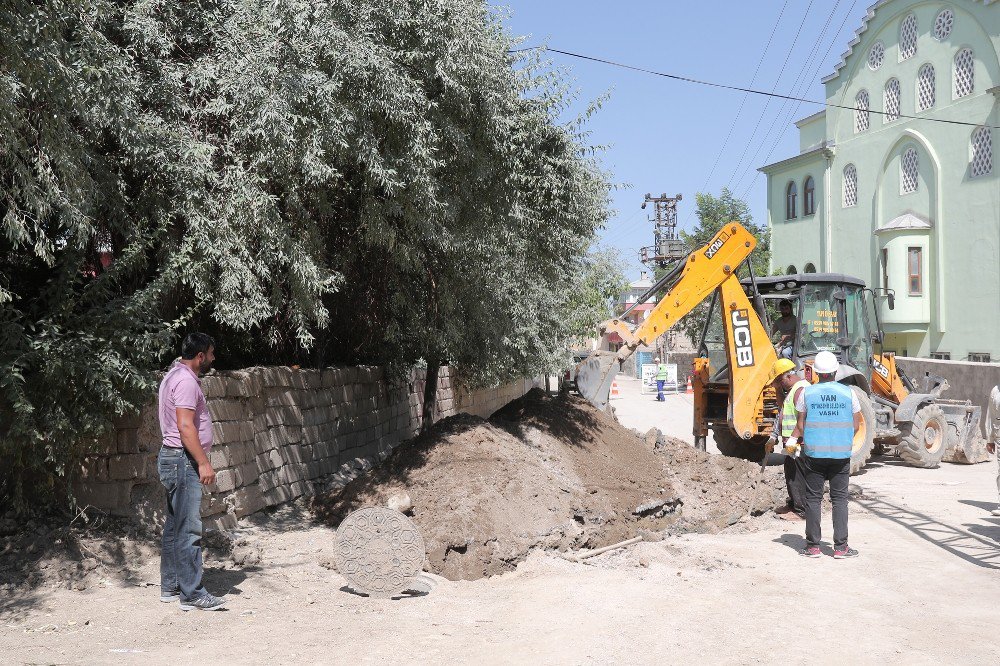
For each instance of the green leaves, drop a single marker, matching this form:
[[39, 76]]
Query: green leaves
[[341, 182], [714, 212]]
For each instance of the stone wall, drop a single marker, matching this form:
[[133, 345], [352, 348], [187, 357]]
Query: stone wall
[[279, 433], [967, 381]]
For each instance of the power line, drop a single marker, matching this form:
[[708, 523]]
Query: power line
[[797, 104], [723, 86], [753, 79], [767, 103], [801, 80]]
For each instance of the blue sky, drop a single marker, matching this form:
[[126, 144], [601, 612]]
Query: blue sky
[[664, 135]]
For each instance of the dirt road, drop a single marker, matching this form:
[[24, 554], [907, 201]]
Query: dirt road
[[924, 591]]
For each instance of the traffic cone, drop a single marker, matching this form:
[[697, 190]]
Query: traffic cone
[[690, 389], [614, 391]]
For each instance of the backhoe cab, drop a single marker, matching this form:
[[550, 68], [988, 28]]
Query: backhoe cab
[[836, 313], [829, 312], [733, 396]]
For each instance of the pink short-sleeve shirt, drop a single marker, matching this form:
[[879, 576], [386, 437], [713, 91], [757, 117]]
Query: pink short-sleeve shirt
[[181, 388]]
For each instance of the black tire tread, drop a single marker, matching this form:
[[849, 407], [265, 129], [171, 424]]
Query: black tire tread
[[911, 444], [864, 454], [735, 447]]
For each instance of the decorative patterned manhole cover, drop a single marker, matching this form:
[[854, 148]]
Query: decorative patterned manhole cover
[[379, 551]]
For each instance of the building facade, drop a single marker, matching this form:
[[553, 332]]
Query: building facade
[[896, 181]]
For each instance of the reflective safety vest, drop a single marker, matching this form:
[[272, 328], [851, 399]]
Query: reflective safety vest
[[829, 423], [661, 372], [788, 414]]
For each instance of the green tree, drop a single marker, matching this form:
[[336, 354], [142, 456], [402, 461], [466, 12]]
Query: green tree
[[601, 279], [713, 212], [344, 182]]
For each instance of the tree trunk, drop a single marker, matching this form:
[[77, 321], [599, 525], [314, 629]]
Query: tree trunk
[[430, 396]]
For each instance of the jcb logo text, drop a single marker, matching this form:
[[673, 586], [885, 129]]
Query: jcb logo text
[[880, 369], [741, 338]]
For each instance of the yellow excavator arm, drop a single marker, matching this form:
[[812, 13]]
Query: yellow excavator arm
[[704, 271], [712, 267]]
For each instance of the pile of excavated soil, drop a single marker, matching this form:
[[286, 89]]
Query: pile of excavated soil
[[548, 472]]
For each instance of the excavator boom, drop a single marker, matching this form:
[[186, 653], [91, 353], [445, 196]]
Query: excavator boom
[[704, 271]]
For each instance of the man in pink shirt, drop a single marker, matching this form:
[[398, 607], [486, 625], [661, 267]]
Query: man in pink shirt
[[184, 468]]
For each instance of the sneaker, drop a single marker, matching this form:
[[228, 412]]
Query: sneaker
[[207, 603], [844, 553], [811, 551], [170, 597], [995, 512]]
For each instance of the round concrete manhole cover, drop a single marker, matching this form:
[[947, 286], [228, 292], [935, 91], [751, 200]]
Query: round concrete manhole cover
[[379, 551]]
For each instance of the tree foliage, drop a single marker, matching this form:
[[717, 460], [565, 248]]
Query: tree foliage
[[314, 182], [713, 212], [601, 280]]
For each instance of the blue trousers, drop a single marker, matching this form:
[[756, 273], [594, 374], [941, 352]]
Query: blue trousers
[[180, 556], [659, 389]]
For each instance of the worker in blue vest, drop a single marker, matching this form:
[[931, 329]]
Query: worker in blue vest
[[828, 416], [788, 384], [661, 378]]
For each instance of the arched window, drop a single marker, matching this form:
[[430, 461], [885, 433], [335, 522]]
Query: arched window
[[809, 196], [965, 77], [909, 167], [890, 101], [925, 87], [791, 270], [791, 192], [942, 24], [861, 106], [850, 186], [908, 38], [876, 55], [982, 152], [809, 268]]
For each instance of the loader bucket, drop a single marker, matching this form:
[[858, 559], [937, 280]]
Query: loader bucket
[[594, 376], [964, 444]]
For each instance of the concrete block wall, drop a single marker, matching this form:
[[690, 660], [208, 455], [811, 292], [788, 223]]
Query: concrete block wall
[[967, 381], [279, 433]]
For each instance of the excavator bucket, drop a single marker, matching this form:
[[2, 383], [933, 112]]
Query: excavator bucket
[[964, 444], [594, 376]]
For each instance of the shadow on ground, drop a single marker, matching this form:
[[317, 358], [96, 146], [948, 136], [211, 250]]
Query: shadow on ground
[[975, 544], [60, 551]]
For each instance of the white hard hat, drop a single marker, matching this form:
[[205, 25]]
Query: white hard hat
[[657, 359], [826, 363]]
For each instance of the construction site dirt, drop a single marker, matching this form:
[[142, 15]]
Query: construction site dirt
[[89, 592], [552, 473]]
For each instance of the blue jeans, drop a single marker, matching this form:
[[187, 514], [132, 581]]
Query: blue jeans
[[180, 557], [659, 389]]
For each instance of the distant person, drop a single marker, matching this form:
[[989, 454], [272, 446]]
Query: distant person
[[828, 416], [661, 379], [184, 468], [789, 384], [783, 330], [993, 434]]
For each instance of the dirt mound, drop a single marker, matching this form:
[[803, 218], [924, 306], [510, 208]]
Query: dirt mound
[[547, 473]]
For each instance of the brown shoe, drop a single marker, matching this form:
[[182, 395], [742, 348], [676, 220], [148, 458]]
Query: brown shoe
[[791, 516]]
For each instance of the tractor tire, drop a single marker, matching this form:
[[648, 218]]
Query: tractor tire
[[736, 447], [925, 439], [864, 438]]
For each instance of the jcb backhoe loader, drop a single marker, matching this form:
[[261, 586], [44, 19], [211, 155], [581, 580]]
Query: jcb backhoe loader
[[732, 374]]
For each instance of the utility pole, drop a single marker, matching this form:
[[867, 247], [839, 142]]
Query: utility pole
[[666, 249]]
